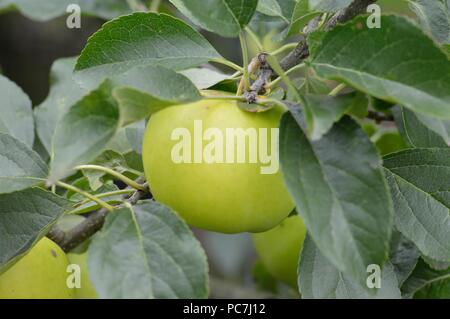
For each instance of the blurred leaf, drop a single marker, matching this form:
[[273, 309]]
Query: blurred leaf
[[319, 279], [156, 39], [25, 216], [145, 90], [204, 78], [396, 63], [20, 167], [414, 132], [434, 16], [16, 116], [329, 5], [224, 17], [404, 256], [43, 10], [339, 188], [64, 92], [147, 251], [84, 131], [426, 282], [270, 8], [420, 186], [135, 135]]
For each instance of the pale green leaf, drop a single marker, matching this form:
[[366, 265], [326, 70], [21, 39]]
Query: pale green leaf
[[147, 251], [16, 116], [20, 167]]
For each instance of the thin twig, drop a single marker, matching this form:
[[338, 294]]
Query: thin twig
[[301, 51], [84, 230]]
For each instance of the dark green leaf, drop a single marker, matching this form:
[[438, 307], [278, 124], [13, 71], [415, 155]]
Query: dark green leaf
[[397, 63], [224, 17], [440, 127], [426, 282], [414, 132], [135, 136], [20, 167], [340, 191], [16, 116], [404, 256], [25, 216], [84, 131], [319, 279], [322, 112], [141, 39], [420, 186], [146, 251]]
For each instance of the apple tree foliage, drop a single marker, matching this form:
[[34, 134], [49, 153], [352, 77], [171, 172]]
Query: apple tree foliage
[[360, 208]]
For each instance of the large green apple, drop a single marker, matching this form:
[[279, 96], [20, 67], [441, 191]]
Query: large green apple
[[86, 290], [228, 197], [279, 249], [41, 274]]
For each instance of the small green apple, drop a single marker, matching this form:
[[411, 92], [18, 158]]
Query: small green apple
[[218, 196], [279, 249], [86, 290], [40, 274]]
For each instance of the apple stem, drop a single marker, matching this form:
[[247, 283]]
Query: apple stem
[[85, 194]]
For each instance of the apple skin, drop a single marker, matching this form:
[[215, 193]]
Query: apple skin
[[279, 249], [221, 197], [87, 290], [40, 274]]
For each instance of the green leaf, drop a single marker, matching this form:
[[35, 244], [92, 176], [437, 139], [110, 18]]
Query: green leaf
[[141, 39], [135, 136], [440, 127], [16, 115], [300, 17], [414, 132], [396, 63], [204, 78], [426, 282], [224, 17], [434, 16], [25, 216], [147, 251], [319, 279], [20, 167], [404, 256], [340, 191], [323, 111], [420, 186], [146, 90], [64, 92], [329, 5], [283, 9], [84, 131], [43, 10], [109, 159]]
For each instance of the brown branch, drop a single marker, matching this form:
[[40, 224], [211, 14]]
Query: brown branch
[[83, 231], [301, 52]]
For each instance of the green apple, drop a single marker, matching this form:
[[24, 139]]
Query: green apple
[[279, 249], [86, 290], [215, 191], [40, 274]]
